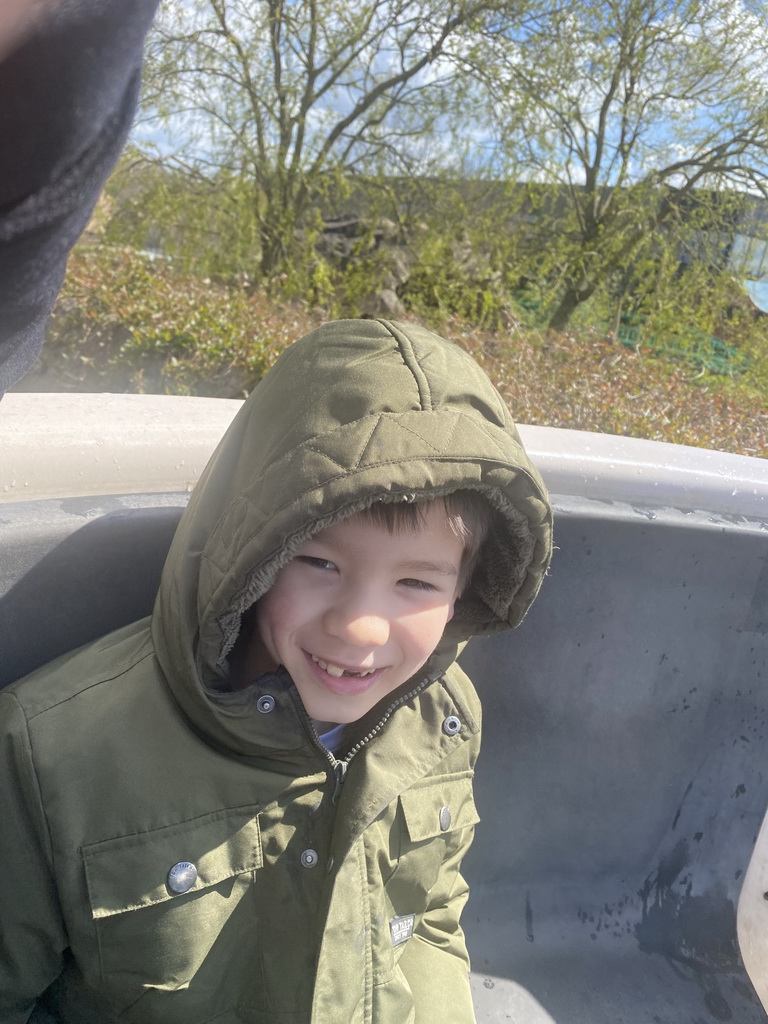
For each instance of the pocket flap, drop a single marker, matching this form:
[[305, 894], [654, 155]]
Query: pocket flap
[[436, 806], [130, 872]]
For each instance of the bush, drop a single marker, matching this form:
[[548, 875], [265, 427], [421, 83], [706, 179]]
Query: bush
[[128, 322]]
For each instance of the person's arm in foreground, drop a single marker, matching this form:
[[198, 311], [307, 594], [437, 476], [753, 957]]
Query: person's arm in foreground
[[69, 83]]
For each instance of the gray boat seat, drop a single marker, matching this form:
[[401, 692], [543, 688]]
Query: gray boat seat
[[624, 773]]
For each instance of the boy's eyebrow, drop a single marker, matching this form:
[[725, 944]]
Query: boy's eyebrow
[[442, 568]]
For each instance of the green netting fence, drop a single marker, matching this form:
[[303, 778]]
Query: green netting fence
[[688, 345]]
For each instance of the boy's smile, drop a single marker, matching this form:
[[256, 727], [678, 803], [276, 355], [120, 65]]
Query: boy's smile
[[358, 611]]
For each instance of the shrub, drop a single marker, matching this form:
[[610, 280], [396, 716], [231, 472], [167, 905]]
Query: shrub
[[128, 322]]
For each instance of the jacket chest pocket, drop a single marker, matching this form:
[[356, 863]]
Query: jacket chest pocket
[[434, 816], [171, 912]]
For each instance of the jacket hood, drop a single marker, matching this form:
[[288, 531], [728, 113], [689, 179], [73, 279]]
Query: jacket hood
[[355, 412]]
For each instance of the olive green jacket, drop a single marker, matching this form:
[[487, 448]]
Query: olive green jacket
[[323, 890]]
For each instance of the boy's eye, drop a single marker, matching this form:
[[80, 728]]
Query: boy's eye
[[320, 563], [417, 584]]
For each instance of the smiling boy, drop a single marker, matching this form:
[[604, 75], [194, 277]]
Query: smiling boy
[[254, 805], [363, 604]]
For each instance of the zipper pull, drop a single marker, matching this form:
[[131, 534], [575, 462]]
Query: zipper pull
[[339, 773]]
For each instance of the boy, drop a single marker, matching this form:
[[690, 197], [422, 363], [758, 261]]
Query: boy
[[253, 807]]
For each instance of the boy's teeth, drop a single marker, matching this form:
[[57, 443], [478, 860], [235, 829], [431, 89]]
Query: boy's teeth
[[334, 670]]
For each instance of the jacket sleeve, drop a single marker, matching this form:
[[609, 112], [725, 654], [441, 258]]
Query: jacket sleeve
[[32, 933], [435, 960]]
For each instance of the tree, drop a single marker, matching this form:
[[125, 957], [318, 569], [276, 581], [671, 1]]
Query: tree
[[286, 95], [633, 111]]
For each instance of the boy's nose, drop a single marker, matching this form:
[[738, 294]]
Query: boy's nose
[[357, 627]]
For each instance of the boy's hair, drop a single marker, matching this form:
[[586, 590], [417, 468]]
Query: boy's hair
[[467, 513]]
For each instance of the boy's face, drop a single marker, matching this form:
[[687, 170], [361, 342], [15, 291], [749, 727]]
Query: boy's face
[[359, 610]]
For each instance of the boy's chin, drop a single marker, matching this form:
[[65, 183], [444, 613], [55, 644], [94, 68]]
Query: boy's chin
[[330, 717], [333, 714], [321, 727]]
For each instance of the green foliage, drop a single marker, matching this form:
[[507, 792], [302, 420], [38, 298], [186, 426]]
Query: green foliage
[[284, 96], [208, 226], [127, 322], [448, 279], [633, 113], [755, 351], [587, 382]]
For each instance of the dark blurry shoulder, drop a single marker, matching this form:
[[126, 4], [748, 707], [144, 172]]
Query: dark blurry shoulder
[[69, 86]]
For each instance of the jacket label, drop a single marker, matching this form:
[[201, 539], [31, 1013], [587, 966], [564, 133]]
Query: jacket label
[[402, 928]]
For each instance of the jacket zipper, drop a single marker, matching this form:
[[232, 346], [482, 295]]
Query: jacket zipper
[[339, 767], [340, 773]]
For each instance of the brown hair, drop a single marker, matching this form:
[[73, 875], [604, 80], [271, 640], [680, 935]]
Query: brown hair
[[467, 513]]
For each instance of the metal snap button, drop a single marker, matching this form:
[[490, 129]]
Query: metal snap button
[[181, 877], [266, 703], [445, 818], [309, 858], [451, 725]]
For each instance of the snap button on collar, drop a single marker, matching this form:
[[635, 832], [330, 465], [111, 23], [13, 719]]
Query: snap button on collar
[[451, 725], [181, 877], [266, 703], [309, 858]]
